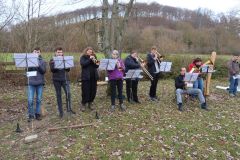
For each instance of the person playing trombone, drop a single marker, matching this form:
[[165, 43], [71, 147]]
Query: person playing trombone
[[132, 62], [153, 63]]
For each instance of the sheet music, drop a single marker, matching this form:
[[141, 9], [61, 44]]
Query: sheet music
[[190, 77], [207, 69], [60, 60], [236, 76], [31, 73], [165, 66], [131, 74], [108, 64], [23, 60]]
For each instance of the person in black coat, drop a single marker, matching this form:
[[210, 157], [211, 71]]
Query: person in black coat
[[131, 62], [181, 89], [89, 77], [153, 63], [61, 80]]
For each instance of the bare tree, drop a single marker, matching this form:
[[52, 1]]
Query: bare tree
[[113, 40], [6, 14]]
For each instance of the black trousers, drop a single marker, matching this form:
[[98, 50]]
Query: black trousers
[[119, 85], [89, 90], [58, 88], [153, 87], [131, 89]]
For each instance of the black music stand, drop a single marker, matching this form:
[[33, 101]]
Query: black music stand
[[26, 60], [133, 74]]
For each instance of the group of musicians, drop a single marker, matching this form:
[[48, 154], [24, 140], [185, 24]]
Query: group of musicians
[[89, 77]]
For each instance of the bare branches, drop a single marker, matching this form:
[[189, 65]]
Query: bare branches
[[6, 14]]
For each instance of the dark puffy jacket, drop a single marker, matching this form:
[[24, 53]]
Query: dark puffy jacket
[[89, 69], [58, 74], [41, 70], [179, 83], [131, 63], [151, 64]]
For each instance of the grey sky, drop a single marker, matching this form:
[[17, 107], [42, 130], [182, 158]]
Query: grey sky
[[215, 5], [56, 6]]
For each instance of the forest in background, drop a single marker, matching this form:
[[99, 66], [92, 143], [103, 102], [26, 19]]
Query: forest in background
[[171, 29]]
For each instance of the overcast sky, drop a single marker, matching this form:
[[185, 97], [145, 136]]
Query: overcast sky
[[218, 6]]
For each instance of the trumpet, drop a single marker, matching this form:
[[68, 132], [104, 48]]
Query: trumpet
[[144, 69]]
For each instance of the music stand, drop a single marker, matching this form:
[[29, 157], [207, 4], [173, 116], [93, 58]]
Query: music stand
[[190, 77], [64, 62], [107, 64], [133, 74], [165, 66], [207, 69], [26, 60]]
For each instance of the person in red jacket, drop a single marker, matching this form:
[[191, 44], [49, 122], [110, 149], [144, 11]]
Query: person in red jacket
[[196, 64]]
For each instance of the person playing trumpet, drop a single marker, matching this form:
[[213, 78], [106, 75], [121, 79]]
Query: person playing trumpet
[[153, 63], [89, 77], [181, 89]]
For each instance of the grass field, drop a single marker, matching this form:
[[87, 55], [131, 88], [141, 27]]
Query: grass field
[[147, 131]]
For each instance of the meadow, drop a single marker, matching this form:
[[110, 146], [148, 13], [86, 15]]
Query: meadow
[[150, 130]]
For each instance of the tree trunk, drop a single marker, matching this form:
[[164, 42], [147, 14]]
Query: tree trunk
[[105, 28]]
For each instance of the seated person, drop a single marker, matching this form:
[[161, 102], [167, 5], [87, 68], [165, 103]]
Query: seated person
[[181, 89]]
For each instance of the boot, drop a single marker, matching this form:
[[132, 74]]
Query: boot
[[204, 106], [122, 107], [61, 115], [30, 118], [83, 107], [90, 106], [71, 111], [38, 116], [112, 109], [180, 108]]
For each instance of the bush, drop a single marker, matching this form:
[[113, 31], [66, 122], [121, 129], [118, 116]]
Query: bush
[[178, 60]]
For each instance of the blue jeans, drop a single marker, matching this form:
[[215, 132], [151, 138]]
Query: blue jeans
[[198, 84], [31, 91], [190, 91], [233, 85]]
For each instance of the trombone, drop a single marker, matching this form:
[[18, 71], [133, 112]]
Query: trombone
[[159, 56], [144, 69]]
